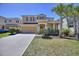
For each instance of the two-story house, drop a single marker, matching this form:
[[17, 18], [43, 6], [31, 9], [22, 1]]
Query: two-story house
[[12, 22], [69, 23], [34, 23]]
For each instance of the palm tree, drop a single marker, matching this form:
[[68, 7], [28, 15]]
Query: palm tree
[[59, 9], [68, 12], [73, 11], [76, 21]]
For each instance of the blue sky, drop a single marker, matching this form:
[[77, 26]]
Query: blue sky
[[18, 9]]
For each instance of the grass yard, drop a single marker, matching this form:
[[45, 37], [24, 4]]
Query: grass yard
[[4, 35], [52, 47]]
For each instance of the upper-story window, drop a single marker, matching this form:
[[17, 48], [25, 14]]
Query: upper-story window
[[42, 17], [10, 20], [26, 18], [33, 18], [37, 17], [30, 18], [17, 21], [5, 21], [70, 24]]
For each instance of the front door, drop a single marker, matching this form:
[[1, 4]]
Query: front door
[[42, 27]]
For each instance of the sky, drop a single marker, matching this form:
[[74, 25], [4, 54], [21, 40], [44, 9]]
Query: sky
[[12, 10]]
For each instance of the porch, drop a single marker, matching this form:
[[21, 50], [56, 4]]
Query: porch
[[53, 27]]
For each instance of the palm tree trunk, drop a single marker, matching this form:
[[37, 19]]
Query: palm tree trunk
[[75, 29], [61, 21], [67, 22]]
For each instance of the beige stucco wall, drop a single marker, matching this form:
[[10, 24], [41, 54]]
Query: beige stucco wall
[[42, 21]]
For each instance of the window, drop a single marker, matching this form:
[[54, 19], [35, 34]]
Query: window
[[9, 20], [70, 24], [30, 18], [42, 17], [37, 17], [33, 18], [17, 21], [26, 18], [5, 21]]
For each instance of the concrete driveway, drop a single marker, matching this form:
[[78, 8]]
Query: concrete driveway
[[15, 45]]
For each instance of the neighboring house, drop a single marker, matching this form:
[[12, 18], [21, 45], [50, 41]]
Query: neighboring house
[[12, 22], [68, 23], [6, 23], [30, 23], [64, 23]]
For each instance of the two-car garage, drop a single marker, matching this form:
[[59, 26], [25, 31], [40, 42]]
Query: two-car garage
[[29, 28]]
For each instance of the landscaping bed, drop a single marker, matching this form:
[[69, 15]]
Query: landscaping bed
[[52, 47]]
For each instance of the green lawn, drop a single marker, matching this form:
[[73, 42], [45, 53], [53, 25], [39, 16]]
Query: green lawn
[[4, 35], [52, 47]]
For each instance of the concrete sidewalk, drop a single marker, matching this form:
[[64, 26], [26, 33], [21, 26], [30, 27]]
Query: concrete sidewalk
[[15, 45]]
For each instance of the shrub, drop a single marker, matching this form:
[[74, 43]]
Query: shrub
[[53, 32], [17, 30], [12, 31], [65, 32], [41, 31], [71, 34], [46, 34], [45, 31]]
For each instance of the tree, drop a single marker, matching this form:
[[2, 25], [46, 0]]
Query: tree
[[59, 9], [68, 12], [77, 21], [71, 12]]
